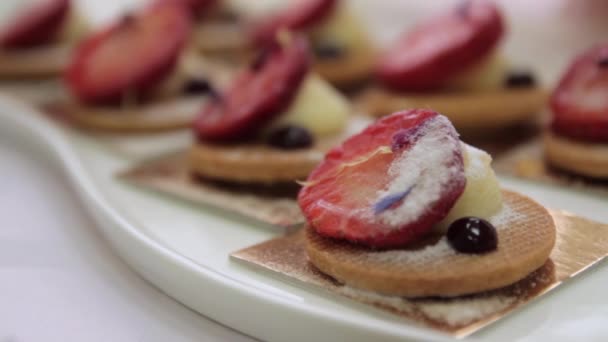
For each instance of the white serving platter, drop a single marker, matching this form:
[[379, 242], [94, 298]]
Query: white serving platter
[[184, 250]]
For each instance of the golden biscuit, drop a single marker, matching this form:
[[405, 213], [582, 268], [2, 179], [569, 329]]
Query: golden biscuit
[[40, 62], [587, 159], [526, 236], [259, 163], [155, 117], [468, 111]]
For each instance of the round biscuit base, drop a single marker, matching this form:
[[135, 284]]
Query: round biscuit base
[[259, 163], [471, 111], [586, 159], [35, 63], [152, 118], [348, 71], [526, 236]]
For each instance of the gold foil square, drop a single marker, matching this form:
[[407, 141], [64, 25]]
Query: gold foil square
[[275, 205], [580, 244]]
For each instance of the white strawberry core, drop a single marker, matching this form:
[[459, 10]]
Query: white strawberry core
[[12, 10], [427, 168]]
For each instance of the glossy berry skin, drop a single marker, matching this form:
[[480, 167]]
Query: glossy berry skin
[[290, 138], [37, 26], [257, 96], [437, 49], [520, 79], [300, 15], [198, 86], [131, 56], [580, 101], [472, 235], [340, 199]]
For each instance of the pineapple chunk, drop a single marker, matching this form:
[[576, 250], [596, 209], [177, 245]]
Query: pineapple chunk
[[482, 196], [74, 28], [318, 107], [343, 29], [487, 75]]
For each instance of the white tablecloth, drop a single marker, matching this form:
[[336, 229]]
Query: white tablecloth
[[60, 281]]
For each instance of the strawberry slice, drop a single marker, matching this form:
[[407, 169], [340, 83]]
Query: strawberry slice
[[441, 47], [301, 15], [387, 186], [580, 101], [258, 95], [37, 24], [131, 56]]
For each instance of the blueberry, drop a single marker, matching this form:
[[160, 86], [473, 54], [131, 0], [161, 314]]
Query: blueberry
[[127, 20], [290, 138], [328, 50], [520, 79], [195, 86], [472, 235]]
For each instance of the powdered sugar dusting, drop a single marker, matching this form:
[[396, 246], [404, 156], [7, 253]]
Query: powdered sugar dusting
[[442, 248], [397, 303], [427, 168], [501, 219], [465, 310], [451, 312]]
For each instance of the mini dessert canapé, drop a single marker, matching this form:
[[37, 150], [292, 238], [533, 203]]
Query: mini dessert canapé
[[405, 208], [137, 75], [343, 53], [274, 123], [577, 140], [450, 63], [218, 28], [35, 37]]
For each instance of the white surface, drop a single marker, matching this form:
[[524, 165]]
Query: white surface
[[59, 279], [183, 250]]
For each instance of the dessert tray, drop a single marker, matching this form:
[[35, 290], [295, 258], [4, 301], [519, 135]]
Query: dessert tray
[[185, 251]]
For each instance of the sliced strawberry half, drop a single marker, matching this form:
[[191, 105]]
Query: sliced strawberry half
[[36, 25], [301, 15], [257, 96], [441, 47], [131, 56], [580, 101], [388, 185]]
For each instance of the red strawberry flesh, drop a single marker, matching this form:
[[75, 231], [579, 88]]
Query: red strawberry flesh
[[131, 56], [37, 25], [429, 55], [388, 185], [301, 15], [580, 101], [257, 96]]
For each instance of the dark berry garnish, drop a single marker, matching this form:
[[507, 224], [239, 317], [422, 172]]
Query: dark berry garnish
[[127, 20], [197, 86], [520, 79], [290, 138], [328, 50], [229, 17], [472, 235], [603, 62]]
